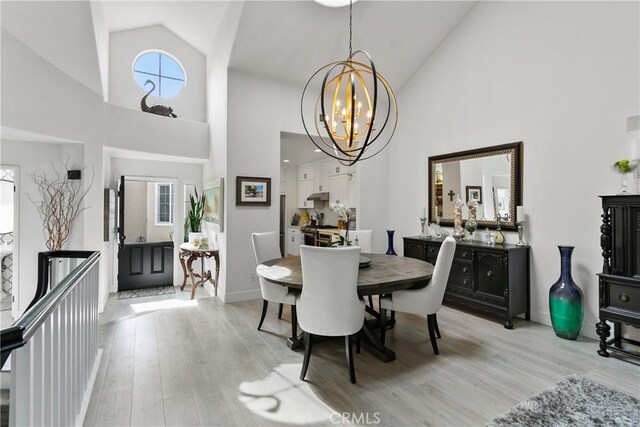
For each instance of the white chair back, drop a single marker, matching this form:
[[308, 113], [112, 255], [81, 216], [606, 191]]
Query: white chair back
[[365, 239], [266, 246], [440, 277], [329, 303]]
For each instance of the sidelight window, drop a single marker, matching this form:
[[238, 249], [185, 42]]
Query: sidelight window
[[164, 204]]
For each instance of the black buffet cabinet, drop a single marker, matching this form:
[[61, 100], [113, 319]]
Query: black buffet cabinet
[[490, 278], [619, 282]]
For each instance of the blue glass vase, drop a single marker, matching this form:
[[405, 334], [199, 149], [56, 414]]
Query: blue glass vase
[[390, 250], [565, 300]]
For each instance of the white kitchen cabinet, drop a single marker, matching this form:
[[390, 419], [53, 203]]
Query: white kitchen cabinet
[[338, 189], [321, 177], [294, 240], [344, 189], [305, 173], [337, 168], [305, 189]]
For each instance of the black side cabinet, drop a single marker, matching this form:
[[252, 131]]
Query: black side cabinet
[[619, 282], [493, 279]]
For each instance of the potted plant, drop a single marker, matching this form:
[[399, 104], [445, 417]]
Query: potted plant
[[194, 216]]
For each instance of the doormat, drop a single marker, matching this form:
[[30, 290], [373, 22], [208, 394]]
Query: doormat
[[574, 401], [148, 292]]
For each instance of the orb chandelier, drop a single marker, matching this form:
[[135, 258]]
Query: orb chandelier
[[355, 115]]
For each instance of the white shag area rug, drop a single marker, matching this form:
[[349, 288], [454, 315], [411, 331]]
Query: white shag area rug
[[574, 401]]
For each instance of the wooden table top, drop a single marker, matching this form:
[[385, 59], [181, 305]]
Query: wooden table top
[[385, 274]]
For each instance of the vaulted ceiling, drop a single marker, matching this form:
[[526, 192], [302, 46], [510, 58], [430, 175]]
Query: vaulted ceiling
[[289, 40], [285, 40]]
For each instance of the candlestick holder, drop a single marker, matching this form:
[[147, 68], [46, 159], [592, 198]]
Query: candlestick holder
[[423, 227], [521, 242]]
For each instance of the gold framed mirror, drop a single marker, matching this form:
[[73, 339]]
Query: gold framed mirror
[[492, 176]]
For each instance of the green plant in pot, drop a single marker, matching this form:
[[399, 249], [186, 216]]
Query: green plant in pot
[[195, 214]]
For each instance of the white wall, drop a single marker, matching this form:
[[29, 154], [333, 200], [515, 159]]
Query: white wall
[[217, 98], [253, 149], [124, 47], [29, 156], [560, 76]]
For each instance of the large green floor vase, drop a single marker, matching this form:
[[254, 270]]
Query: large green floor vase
[[565, 300]]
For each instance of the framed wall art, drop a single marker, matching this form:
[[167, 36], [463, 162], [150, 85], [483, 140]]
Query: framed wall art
[[474, 192], [253, 191], [214, 204]]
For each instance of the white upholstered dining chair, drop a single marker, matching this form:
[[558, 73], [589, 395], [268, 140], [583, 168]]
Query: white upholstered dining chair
[[266, 246], [329, 304], [424, 301]]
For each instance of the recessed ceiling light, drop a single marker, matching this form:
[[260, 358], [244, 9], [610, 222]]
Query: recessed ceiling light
[[317, 150], [286, 161], [334, 3]]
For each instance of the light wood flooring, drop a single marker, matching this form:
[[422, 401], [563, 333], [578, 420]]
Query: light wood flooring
[[204, 363]]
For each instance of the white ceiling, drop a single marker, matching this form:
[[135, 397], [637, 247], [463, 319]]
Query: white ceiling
[[290, 40], [298, 149], [53, 29], [196, 22]]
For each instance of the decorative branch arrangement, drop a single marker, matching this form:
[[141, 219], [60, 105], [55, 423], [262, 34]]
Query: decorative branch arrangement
[[59, 203]]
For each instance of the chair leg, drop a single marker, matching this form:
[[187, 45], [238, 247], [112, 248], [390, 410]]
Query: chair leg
[[432, 335], [265, 303], [349, 350], [307, 354], [393, 319], [383, 324], [358, 339], [370, 301], [280, 310], [435, 323], [294, 322]]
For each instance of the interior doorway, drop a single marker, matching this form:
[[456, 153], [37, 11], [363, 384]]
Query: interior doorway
[[146, 229], [9, 218]]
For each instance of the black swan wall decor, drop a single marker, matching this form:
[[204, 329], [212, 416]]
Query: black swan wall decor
[[161, 110]]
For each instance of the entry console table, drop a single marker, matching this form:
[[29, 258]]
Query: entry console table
[[491, 278], [620, 278]]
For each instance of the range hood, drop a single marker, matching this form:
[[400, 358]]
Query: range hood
[[322, 197]]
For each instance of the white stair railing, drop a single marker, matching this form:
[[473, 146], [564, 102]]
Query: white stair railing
[[54, 350]]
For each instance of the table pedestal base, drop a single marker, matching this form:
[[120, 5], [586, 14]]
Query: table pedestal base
[[370, 339]]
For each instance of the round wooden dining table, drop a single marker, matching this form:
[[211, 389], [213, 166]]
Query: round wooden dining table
[[383, 275]]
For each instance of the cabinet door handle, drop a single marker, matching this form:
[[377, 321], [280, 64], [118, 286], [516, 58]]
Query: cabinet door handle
[[465, 269], [321, 188], [624, 297], [466, 282], [489, 273], [464, 254]]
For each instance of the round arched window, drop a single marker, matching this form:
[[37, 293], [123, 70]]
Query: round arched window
[[164, 72]]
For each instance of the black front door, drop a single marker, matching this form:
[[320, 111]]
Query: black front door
[[145, 265], [141, 264]]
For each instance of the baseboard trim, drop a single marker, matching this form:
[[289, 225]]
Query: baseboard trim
[[231, 297], [86, 398]]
